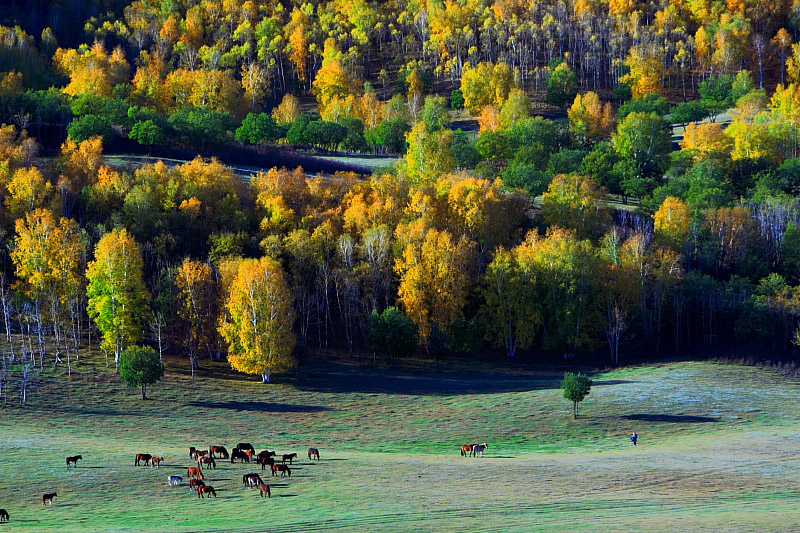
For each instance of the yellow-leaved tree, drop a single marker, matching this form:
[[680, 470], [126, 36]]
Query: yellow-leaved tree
[[196, 292], [671, 223], [260, 318]]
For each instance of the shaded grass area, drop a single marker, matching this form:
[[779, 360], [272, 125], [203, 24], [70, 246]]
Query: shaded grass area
[[389, 442]]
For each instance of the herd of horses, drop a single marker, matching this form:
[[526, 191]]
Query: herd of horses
[[244, 452]]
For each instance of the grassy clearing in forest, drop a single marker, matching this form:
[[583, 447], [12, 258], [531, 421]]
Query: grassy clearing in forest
[[718, 448]]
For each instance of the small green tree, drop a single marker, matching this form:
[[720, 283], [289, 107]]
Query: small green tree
[[562, 86], [392, 333], [147, 133], [456, 99], [576, 387], [140, 366]]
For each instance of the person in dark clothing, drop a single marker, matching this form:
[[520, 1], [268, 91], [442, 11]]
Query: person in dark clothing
[[634, 438]]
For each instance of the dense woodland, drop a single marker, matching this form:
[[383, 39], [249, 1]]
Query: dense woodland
[[503, 239]]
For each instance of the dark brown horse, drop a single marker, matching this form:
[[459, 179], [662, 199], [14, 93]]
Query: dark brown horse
[[146, 457], [74, 460], [245, 446], [265, 454], [156, 462], [193, 452], [200, 453], [206, 461], [265, 461], [313, 453], [48, 498], [194, 471], [206, 489], [4, 513], [264, 489], [219, 450], [236, 453], [252, 480], [283, 469], [194, 483], [289, 457]]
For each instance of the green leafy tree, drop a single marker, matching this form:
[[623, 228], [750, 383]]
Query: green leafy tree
[[139, 367], [456, 99], [392, 333], [258, 128], [790, 253], [562, 86], [649, 103], [434, 113], [463, 151], [686, 112], [147, 133], [645, 141], [88, 126], [576, 387], [715, 94]]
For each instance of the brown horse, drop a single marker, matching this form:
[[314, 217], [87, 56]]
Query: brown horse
[[265, 461], [4, 513], [264, 489], [313, 453], [193, 452], [283, 469], [236, 453], [194, 471], [73, 460], [48, 498], [194, 483], [200, 453], [245, 446], [219, 450], [266, 454], [251, 480], [206, 461], [156, 462], [466, 449], [146, 457], [206, 489], [289, 457]]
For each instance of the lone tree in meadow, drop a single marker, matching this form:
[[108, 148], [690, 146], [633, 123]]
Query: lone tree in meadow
[[576, 387], [140, 366]]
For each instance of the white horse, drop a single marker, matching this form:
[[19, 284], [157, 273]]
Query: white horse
[[174, 481], [478, 449]]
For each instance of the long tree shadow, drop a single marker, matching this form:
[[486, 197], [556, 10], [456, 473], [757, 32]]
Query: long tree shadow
[[345, 379], [236, 405], [685, 419]]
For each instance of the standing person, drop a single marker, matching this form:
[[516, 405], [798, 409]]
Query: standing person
[[634, 438]]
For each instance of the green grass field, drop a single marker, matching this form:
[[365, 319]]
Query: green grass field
[[719, 448]]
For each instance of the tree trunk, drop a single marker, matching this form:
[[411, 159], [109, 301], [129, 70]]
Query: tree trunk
[[574, 410], [144, 391]]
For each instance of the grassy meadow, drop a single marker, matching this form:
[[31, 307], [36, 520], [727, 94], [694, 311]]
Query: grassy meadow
[[719, 448]]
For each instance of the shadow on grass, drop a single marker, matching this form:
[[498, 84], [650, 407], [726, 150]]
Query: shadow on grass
[[612, 382], [345, 379], [685, 419], [260, 406], [286, 495]]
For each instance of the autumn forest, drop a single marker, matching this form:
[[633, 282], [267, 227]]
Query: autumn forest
[[611, 178]]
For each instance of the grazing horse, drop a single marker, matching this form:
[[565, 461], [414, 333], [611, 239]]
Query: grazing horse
[[313, 453], [265, 461], [194, 483], [146, 457], [206, 461], [4, 513], [156, 462], [283, 469], [252, 480], [174, 481], [48, 498], [236, 453], [264, 489], [266, 454], [245, 446], [289, 456], [73, 460], [478, 449], [206, 489], [200, 453], [194, 471], [219, 450], [466, 450]]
